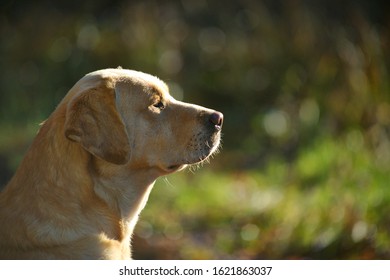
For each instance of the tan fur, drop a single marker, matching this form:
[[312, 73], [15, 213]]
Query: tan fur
[[79, 190]]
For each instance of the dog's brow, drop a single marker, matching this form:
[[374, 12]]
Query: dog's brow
[[156, 92]]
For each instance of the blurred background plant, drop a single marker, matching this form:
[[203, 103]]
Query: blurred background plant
[[305, 90]]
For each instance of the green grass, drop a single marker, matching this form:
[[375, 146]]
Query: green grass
[[330, 203]]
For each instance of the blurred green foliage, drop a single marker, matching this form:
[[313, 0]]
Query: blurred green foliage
[[305, 90], [330, 204]]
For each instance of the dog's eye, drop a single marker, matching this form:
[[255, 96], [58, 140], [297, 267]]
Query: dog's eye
[[159, 105]]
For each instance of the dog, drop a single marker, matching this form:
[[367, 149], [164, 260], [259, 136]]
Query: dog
[[81, 186]]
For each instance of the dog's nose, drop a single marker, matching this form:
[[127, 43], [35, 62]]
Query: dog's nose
[[216, 118]]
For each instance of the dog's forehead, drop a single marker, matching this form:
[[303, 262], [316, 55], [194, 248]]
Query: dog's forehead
[[153, 83]]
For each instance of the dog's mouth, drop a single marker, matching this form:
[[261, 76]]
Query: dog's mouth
[[173, 168], [199, 149], [176, 167]]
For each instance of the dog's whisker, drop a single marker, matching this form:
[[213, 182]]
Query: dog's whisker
[[167, 182]]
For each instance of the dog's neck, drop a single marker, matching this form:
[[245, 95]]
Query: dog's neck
[[126, 193]]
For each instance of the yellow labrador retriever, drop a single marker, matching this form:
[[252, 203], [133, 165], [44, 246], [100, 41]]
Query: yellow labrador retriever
[[79, 190]]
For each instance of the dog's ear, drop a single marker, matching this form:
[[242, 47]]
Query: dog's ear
[[93, 121]]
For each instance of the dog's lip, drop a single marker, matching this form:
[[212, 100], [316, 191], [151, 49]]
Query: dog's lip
[[173, 168]]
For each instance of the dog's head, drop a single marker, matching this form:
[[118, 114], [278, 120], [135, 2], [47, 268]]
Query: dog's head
[[126, 117]]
